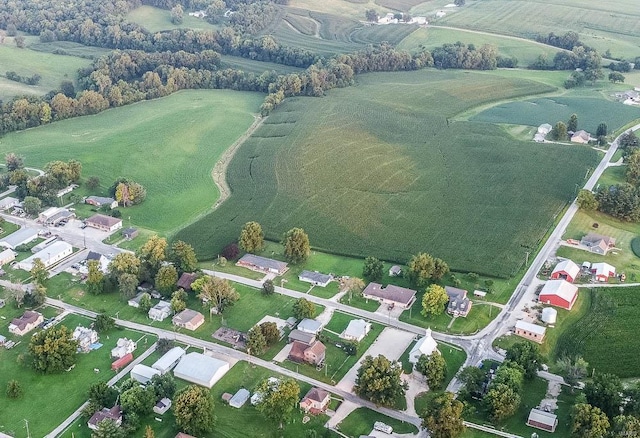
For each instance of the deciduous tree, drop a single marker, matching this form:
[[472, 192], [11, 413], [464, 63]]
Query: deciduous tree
[[443, 417], [138, 400], [604, 392], [13, 162], [148, 432], [423, 268], [559, 132], [502, 402], [184, 257], [587, 200], [102, 395], [14, 389], [602, 130], [278, 401], [625, 426], [473, 378], [215, 292], [270, 332], [373, 269], [572, 125], [178, 301], [153, 253], [95, 278], [53, 350], [434, 300], [193, 409], [251, 238], [124, 263], [588, 422], [378, 380], [127, 283], [573, 369], [39, 272], [304, 308], [104, 323], [145, 303], [528, 356], [163, 386], [166, 279], [434, 368], [107, 429], [615, 76], [32, 205], [268, 288], [296, 245], [256, 343]]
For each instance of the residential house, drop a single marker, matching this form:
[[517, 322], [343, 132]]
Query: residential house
[[18, 238], [85, 337], [3, 339], [100, 201], [530, 331], [8, 202], [47, 214], [143, 374], [104, 223], [356, 330], [135, 301], [123, 347], [162, 406], [603, 271], [262, 264], [315, 401], [315, 278], [200, 369], [122, 362], [51, 255], [188, 319], [459, 304], [391, 294], [542, 420], [103, 261], [559, 293], [130, 233], [114, 414], [544, 129], [566, 270], [160, 311], [310, 326], [186, 280], [313, 354], [581, 137], [60, 193], [239, 398], [598, 243], [300, 336], [395, 271], [42, 245], [7, 256], [425, 345], [27, 322]]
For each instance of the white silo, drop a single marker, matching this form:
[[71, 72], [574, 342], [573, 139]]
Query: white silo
[[549, 315]]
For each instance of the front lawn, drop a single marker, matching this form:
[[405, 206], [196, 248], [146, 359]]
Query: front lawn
[[360, 422], [480, 316]]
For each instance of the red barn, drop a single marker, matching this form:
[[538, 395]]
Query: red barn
[[122, 362], [559, 293], [565, 270]]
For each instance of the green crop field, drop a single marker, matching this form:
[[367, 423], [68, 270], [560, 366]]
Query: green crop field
[[380, 169], [169, 145], [68, 48], [590, 111], [526, 52], [156, 19], [610, 324], [400, 5], [612, 25], [256, 67], [52, 68]]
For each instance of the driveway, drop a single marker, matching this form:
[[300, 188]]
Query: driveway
[[283, 354], [391, 344]]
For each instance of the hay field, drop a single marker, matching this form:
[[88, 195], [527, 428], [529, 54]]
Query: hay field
[[381, 169], [156, 19]]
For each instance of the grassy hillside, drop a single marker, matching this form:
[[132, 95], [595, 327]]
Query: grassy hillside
[[609, 325], [613, 25], [156, 19], [380, 169], [169, 145]]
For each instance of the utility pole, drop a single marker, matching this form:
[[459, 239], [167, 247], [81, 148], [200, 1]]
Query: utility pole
[[26, 422]]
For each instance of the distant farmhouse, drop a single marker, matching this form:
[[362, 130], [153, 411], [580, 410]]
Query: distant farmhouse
[[598, 243], [262, 264], [581, 137], [27, 322], [530, 331], [459, 303], [315, 278], [104, 223], [391, 294], [100, 201]]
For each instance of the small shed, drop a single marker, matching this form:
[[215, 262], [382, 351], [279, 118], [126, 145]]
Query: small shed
[[542, 420], [479, 293], [530, 331], [122, 362], [162, 406], [239, 398], [130, 233]]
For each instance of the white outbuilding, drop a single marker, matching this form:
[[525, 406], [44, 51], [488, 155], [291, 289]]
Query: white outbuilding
[[356, 330], [426, 345], [142, 373], [549, 315], [169, 360], [49, 256], [200, 369]]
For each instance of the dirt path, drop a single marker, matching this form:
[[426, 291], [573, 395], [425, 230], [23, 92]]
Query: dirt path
[[219, 172]]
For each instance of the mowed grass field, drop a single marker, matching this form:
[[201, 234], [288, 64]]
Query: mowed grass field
[[613, 25], [52, 68], [169, 145], [156, 19], [610, 324], [526, 52], [380, 169], [591, 111]]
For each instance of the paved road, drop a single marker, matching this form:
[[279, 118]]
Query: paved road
[[239, 355]]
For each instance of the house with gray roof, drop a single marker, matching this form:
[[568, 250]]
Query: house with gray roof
[[262, 264], [459, 303], [20, 237], [598, 243], [391, 294], [310, 326], [300, 336], [101, 201], [315, 278]]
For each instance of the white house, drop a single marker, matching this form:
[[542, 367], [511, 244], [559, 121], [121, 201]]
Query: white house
[[315, 278], [135, 301], [160, 311], [310, 326], [103, 261], [356, 330], [8, 202], [7, 256], [142, 373], [123, 347], [20, 237], [169, 360], [426, 345], [200, 369], [49, 256]]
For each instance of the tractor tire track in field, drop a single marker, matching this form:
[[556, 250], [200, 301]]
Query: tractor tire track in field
[[219, 171]]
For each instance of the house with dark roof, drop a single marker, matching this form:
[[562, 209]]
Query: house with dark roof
[[598, 243], [313, 354], [130, 233], [315, 401], [114, 414], [27, 322], [315, 278], [262, 264], [186, 280], [101, 201], [391, 294], [104, 223], [459, 304], [300, 336]]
